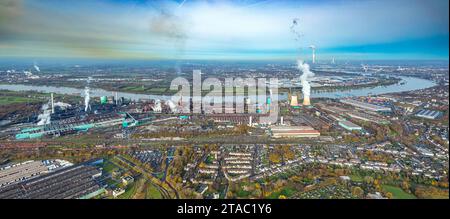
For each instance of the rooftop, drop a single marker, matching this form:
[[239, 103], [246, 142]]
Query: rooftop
[[364, 105]]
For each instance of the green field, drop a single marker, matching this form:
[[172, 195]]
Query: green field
[[134, 88], [158, 90], [397, 192], [6, 100], [152, 192], [13, 97], [287, 192], [356, 178], [109, 167], [243, 194], [159, 175]]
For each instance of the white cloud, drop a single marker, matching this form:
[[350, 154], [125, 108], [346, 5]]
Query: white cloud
[[334, 24]]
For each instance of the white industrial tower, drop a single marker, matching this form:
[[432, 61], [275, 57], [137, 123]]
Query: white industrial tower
[[53, 103], [313, 47]]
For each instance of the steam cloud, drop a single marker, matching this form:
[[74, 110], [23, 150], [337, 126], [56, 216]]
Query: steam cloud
[[295, 29], [87, 95], [87, 98], [44, 118], [172, 106], [37, 68], [305, 77], [171, 27], [62, 105], [301, 65]]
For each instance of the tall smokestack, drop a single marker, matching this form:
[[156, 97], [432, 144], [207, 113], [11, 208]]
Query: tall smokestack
[[53, 103], [313, 53]]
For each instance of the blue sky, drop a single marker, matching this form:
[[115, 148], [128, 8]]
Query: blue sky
[[244, 30]]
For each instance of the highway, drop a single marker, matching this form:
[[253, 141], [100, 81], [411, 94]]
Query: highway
[[164, 192]]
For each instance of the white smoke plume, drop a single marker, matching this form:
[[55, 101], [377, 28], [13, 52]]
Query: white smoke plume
[[172, 106], [87, 98], [44, 118], [87, 95], [157, 107], [295, 29], [171, 27], [305, 77], [62, 105], [36, 67]]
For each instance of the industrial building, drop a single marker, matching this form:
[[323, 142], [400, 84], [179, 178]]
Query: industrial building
[[72, 125], [367, 106], [367, 117], [308, 120], [117, 191], [18, 172], [333, 109], [78, 181], [429, 114], [21, 171], [349, 126], [234, 118], [294, 132]]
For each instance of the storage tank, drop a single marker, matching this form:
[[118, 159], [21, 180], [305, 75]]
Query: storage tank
[[104, 100]]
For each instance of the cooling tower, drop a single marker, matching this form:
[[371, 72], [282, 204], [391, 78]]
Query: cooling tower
[[306, 101], [294, 101]]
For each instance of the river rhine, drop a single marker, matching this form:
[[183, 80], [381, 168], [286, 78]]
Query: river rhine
[[406, 84]]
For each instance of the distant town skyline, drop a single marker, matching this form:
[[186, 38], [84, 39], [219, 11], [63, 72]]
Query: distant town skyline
[[224, 30]]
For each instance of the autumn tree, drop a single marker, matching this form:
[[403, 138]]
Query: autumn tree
[[357, 192]]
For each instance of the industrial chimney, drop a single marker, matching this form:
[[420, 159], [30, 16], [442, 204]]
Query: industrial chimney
[[53, 103], [313, 53]]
